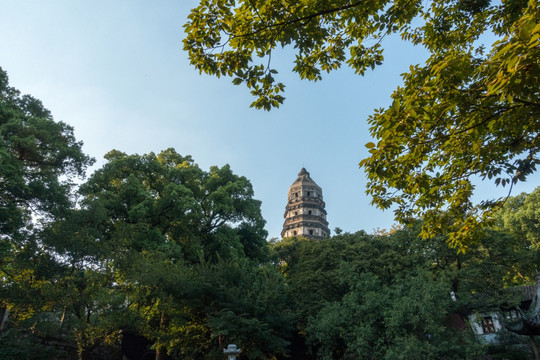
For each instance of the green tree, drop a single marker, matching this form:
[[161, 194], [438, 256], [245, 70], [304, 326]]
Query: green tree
[[144, 202], [39, 159], [520, 216], [185, 248], [408, 318], [93, 303], [389, 296], [362, 296], [240, 302], [471, 111]]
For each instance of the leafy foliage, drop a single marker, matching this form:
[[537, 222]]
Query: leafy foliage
[[462, 116], [467, 113], [360, 296], [38, 158], [177, 254], [408, 319], [153, 202], [158, 225], [241, 303], [520, 216], [155, 245]]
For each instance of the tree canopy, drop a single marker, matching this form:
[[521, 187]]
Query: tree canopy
[[520, 216], [154, 245], [166, 198], [361, 296], [38, 159], [157, 246], [471, 111], [160, 230]]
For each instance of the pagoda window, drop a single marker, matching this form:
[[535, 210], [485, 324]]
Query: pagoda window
[[310, 232], [309, 193], [296, 194], [309, 212], [294, 232], [487, 325]]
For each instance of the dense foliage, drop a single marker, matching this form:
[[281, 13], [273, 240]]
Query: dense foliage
[[158, 250], [471, 111], [39, 158], [155, 246], [360, 296]]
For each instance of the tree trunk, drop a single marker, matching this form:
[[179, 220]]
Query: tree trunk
[[160, 351]]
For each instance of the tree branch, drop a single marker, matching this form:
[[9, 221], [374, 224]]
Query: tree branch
[[300, 19]]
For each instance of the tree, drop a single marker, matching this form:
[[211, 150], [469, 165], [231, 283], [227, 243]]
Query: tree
[[39, 159], [359, 296], [240, 302], [185, 247], [144, 202], [467, 113], [409, 318], [157, 246], [520, 216]]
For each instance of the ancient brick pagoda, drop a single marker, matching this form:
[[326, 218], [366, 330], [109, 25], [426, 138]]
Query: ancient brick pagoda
[[305, 214]]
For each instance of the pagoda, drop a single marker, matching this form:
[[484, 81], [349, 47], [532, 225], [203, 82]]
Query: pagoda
[[305, 214]]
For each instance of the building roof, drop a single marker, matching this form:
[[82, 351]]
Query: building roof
[[303, 178], [529, 322]]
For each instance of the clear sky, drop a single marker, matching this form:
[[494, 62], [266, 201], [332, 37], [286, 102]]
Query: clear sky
[[116, 71]]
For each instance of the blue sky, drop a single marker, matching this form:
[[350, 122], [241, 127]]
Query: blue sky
[[116, 72]]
